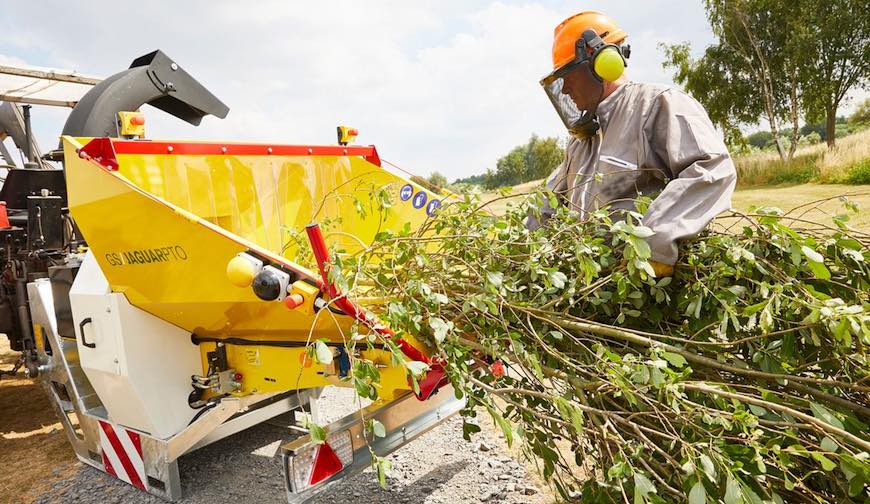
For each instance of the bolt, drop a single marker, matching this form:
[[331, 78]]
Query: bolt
[[269, 150], [173, 66], [108, 309], [169, 149]]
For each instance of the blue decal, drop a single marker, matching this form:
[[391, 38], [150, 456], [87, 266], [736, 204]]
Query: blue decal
[[406, 191], [419, 200], [433, 207]]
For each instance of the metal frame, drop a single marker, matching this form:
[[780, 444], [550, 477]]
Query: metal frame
[[368, 152], [80, 410], [404, 419]]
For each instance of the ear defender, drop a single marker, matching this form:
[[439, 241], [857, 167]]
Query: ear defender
[[609, 63], [608, 60]]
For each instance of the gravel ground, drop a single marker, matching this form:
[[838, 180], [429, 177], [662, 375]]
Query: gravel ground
[[439, 467]]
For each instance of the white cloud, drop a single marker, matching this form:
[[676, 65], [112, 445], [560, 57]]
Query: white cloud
[[448, 86]]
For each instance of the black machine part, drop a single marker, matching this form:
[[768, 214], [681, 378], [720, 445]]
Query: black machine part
[[153, 79]]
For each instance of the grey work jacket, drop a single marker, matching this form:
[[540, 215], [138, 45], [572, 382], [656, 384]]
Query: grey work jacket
[[652, 138]]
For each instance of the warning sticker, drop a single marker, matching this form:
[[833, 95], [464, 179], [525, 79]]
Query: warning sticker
[[252, 355]]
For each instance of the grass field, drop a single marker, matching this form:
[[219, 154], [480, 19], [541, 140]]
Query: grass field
[[785, 197]]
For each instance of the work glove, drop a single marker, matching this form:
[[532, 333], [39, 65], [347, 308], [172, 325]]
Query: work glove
[[662, 270]]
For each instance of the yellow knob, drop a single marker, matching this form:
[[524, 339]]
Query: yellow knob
[[609, 64], [240, 271]]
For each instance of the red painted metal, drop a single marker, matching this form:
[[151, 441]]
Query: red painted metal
[[369, 153], [122, 455], [4, 216], [102, 151], [435, 377]]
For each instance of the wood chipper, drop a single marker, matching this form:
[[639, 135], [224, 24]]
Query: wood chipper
[[174, 313]]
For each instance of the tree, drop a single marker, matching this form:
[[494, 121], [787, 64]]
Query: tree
[[717, 80], [861, 115], [437, 179], [835, 39], [752, 71], [530, 161], [760, 139]]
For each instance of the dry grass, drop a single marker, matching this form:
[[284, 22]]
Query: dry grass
[[812, 162]]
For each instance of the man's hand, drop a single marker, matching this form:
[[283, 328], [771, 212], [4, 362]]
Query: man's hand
[[662, 269]]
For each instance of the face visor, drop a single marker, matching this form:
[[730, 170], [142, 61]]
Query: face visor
[[575, 92]]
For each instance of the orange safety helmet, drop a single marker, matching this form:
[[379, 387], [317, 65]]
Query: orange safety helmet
[[566, 35], [588, 50]]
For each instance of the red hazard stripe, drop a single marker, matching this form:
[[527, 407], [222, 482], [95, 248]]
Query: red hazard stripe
[[108, 466], [122, 455], [134, 437]]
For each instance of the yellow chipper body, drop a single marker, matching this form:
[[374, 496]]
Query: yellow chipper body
[[193, 318]]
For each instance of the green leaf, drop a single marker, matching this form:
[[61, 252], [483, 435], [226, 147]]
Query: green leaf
[[440, 328], [323, 352], [318, 434], [643, 485], [642, 232], [697, 495], [558, 279], [468, 429], [495, 278], [733, 495], [820, 271], [378, 429], [827, 464], [641, 247], [502, 423], [829, 444], [812, 255], [825, 415], [383, 466], [674, 359], [417, 368], [709, 468]]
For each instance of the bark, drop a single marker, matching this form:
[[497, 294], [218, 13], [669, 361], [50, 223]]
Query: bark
[[831, 126], [795, 115]]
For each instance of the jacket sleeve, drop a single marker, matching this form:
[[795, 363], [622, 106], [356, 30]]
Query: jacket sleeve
[[683, 140], [557, 182]]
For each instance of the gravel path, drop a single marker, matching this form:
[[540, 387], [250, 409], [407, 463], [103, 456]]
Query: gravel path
[[439, 467]]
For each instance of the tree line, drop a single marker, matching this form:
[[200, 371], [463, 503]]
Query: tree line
[[782, 61]]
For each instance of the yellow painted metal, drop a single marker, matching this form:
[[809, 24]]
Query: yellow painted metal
[[163, 228], [128, 128]]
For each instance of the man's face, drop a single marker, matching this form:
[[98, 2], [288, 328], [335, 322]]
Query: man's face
[[583, 89]]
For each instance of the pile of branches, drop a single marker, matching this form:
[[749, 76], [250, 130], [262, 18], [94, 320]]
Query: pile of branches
[[742, 378]]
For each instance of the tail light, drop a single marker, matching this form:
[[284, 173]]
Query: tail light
[[318, 463]]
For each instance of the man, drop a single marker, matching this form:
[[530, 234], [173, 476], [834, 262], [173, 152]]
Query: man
[[630, 139]]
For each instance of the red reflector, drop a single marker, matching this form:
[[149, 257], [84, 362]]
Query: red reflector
[[4, 216], [326, 464]]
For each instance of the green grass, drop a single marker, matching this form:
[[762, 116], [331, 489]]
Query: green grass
[[789, 197], [859, 173]]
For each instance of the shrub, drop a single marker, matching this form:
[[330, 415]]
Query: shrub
[[859, 173]]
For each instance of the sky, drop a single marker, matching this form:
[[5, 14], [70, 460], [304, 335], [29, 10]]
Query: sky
[[447, 86]]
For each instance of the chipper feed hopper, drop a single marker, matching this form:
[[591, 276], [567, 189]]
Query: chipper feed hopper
[[187, 318]]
